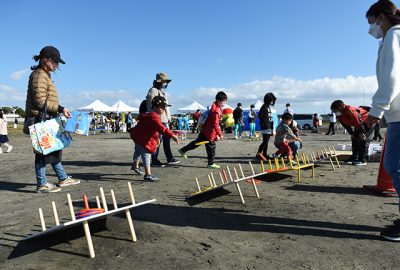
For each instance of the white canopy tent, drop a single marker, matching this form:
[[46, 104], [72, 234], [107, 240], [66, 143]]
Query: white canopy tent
[[120, 106], [96, 106], [192, 108], [258, 104]]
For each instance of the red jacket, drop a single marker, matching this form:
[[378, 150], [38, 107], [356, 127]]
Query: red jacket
[[145, 133], [351, 116], [211, 128]]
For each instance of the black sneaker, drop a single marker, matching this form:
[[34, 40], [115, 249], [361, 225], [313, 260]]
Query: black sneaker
[[359, 162], [151, 178], [392, 232], [137, 171], [174, 161], [157, 163]]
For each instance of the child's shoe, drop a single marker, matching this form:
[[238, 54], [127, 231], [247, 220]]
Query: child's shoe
[[9, 148], [214, 166], [183, 154], [47, 188], [151, 178], [69, 181], [137, 171]]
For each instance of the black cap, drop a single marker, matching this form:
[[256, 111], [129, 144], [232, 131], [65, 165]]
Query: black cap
[[239, 104], [159, 101], [287, 104], [252, 106], [53, 53]]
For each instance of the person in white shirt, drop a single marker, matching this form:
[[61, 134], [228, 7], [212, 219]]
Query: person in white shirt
[[384, 22], [288, 109], [332, 121]]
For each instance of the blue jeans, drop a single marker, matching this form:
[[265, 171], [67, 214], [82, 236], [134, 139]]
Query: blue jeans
[[167, 147], [252, 129], [238, 129], [392, 154], [295, 146], [40, 170]]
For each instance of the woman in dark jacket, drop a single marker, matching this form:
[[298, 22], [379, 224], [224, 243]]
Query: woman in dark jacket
[[266, 123]]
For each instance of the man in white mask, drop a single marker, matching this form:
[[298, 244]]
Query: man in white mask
[[384, 20], [160, 84]]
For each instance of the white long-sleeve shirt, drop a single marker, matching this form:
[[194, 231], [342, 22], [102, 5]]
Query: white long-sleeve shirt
[[386, 100]]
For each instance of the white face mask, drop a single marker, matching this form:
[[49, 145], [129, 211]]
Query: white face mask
[[223, 104], [375, 30], [164, 85], [338, 113]]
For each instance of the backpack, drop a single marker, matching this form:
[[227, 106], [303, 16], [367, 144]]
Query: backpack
[[143, 107], [202, 119]]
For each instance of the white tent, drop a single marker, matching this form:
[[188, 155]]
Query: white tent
[[96, 106], [192, 108], [258, 104], [120, 106]]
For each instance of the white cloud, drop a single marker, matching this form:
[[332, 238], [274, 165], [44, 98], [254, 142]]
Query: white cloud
[[11, 97], [305, 95], [17, 75]]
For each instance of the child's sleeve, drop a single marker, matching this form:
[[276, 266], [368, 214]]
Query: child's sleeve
[[214, 118], [161, 128]]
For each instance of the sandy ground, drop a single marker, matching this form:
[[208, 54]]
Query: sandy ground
[[329, 222]]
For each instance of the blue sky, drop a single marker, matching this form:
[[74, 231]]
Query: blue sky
[[308, 52]]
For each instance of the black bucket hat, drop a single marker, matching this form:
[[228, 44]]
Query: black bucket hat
[[51, 52], [159, 101]]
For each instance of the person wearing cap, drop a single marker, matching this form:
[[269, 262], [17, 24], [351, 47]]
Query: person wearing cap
[[238, 118], [160, 84], [288, 109], [146, 137], [252, 121], [41, 91]]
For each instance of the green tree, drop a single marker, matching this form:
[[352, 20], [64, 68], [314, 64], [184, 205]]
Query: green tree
[[20, 112]]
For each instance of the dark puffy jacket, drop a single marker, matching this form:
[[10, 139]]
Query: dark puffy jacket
[[265, 117], [238, 115]]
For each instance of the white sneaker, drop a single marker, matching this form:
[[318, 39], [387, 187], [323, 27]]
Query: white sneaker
[[236, 138], [9, 149], [47, 188], [69, 181]]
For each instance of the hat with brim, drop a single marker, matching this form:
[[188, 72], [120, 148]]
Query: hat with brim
[[159, 101], [53, 53], [162, 77]]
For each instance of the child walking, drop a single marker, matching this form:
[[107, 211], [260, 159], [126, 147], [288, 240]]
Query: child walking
[[252, 121], [266, 124], [3, 134], [284, 136], [210, 132], [145, 135]]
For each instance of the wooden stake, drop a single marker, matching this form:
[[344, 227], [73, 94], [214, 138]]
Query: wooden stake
[[283, 162], [303, 158], [98, 202], [53, 204], [209, 180], [222, 178], [225, 176], [114, 200], [262, 166], [229, 172], [131, 193], [237, 185], [270, 165], [276, 164], [252, 179], [198, 185], [213, 179], [308, 160], [89, 238], [298, 169], [42, 219], [290, 162], [103, 200], [71, 208], [130, 223]]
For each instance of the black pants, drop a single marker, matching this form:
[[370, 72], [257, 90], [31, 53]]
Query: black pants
[[377, 133], [210, 147], [195, 122], [331, 128], [264, 145], [359, 146]]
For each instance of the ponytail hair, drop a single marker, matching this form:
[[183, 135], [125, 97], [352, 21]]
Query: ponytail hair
[[36, 58], [386, 7]]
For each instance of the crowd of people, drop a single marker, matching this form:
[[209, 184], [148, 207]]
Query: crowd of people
[[153, 124]]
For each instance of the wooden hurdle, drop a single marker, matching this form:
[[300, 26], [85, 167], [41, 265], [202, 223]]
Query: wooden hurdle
[[228, 181], [329, 154], [86, 220]]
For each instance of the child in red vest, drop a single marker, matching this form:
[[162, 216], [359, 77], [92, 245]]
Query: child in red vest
[[210, 132], [145, 136], [354, 121]]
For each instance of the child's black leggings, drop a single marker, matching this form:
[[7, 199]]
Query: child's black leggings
[[210, 147], [264, 145]]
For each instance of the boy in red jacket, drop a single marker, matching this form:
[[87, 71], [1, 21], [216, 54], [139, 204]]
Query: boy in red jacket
[[145, 136], [354, 121], [210, 132]]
